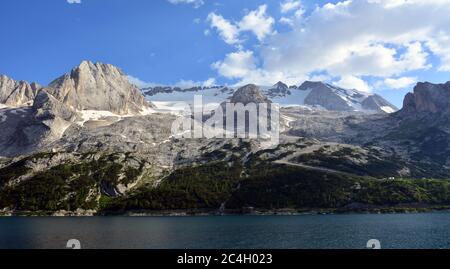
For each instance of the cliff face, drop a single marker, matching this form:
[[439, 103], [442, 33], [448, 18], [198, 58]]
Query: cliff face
[[428, 98], [17, 93], [52, 110], [98, 87]]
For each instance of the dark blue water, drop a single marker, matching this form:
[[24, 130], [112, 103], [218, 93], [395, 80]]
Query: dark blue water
[[429, 231]]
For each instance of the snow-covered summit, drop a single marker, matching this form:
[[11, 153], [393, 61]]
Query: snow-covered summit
[[311, 94]]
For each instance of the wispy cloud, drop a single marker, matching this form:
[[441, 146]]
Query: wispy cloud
[[195, 3], [255, 21], [352, 42], [289, 5], [74, 1]]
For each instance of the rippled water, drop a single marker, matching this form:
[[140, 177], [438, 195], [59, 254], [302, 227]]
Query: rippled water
[[287, 232]]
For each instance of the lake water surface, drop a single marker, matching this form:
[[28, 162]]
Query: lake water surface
[[431, 230]]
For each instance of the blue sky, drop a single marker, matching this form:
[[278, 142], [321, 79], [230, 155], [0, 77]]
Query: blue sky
[[232, 41]]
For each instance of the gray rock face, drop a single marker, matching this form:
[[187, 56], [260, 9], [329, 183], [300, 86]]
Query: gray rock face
[[98, 87], [249, 94], [279, 90], [323, 95], [377, 103], [55, 108], [338, 99], [17, 93], [428, 98], [47, 107], [29, 129]]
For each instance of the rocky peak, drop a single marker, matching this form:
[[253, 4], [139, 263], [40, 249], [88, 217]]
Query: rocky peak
[[278, 90], [335, 98], [281, 86], [326, 96], [249, 94], [428, 98], [98, 87], [311, 85], [17, 93], [377, 103]]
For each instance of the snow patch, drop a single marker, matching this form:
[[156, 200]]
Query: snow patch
[[88, 115], [297, 98], [147, 111], [210, 95], [387, 109]]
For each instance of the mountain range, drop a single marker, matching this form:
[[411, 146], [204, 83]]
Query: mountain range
[[315, 95], [93, 143]]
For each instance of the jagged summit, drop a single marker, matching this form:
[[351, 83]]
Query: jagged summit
[[98, 87], [17, 93], [428, 98], [280, 85], [280, 89], [377, 103], [89, 96]]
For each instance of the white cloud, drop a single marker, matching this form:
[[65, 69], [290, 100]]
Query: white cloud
[[289, 5], [255, 21], [74, 1], [182, 83], [195, 3], [228, 31], [440, 45], [242, 65], [140, 83], [349, 40], [287, 21], [364, 38], [236, 65], [352, 82], [189, 83], [379, 60], [397, 83]]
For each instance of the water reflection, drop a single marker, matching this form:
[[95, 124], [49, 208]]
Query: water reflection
[[229, 232]]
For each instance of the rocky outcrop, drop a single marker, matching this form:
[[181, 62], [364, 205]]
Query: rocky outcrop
[[47, 107], [249, 94], [29, 129], [17, 93], [428, 98], [98, 87], [278, 90], [378, 103]]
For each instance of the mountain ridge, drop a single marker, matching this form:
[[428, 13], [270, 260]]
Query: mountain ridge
[[314, 94], [17, 93], [57, 160]]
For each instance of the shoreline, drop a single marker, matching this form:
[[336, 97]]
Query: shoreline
[[248, 212]]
